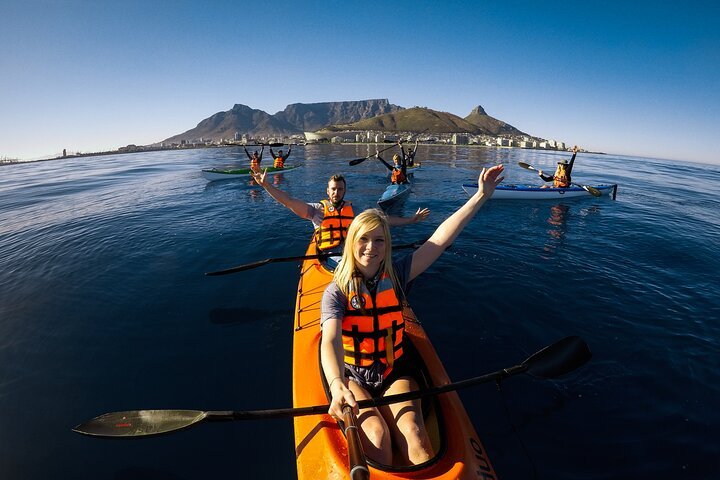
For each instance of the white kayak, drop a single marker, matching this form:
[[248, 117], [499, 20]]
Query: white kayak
[[229, 174], [533, 192]]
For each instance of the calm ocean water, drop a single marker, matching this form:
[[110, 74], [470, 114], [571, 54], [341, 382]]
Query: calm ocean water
[[104, 307]]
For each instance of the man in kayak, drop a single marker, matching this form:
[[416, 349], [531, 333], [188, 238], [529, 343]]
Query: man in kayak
[[255, 158], [561, 178], [399, 170], [409, 157], [361, 349], [279, 159], [331, 218]]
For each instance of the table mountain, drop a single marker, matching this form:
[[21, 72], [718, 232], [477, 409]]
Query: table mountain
[[295, 119], [375, 114]]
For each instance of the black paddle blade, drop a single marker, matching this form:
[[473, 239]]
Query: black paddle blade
[[357, 160], [139, 423], [526, 165], [560, 358]]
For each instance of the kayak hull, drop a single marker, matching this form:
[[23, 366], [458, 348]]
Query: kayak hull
[[533, 192], [393, 194], [321, 448], [213, 174]]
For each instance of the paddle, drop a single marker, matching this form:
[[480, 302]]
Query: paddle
[[249, 266], [591, 190], [360, 160], [265, 144], [356, 456], [555, 360]]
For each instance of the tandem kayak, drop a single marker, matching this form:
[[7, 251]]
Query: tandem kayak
[[394, 193], [320, 446], [533, 192], [213, 174]]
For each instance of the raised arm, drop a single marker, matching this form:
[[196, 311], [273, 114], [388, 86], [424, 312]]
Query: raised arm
[[448, 230], [415, 149], [288, 153], [572, 161], [390, 167], [298, 207], [272, 154], [402, 150], [247, 153]]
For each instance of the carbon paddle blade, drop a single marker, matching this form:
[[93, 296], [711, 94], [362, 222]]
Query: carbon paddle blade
[[560, 358], [139, 423]]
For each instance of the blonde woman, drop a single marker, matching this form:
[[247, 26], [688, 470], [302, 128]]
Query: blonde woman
[[362, 328]]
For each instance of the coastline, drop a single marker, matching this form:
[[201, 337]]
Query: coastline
[[135, 149]]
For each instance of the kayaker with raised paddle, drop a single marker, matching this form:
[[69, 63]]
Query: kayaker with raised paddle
[[561, 178], [399, 169], [362, 328]]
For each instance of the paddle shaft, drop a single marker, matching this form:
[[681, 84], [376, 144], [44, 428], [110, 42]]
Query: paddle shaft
[[260, 263], [360, 160], [356, 456], [225, 415], [552, 361]]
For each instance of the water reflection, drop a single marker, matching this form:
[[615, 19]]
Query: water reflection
[[558, 227]]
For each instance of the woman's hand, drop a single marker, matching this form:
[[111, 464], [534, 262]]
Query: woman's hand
[[341, 395]]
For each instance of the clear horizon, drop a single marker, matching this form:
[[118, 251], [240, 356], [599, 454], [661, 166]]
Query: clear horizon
[[638, 80]]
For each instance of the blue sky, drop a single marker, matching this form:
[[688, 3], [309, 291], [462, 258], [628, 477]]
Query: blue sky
[[634, 78]]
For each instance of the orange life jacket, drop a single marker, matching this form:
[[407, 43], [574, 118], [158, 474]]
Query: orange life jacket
[[254, 163], [397, 176], [561, 181], [333, 229], [375, 333], [279, 162]]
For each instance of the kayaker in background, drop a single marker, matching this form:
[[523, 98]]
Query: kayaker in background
[[362, 310], [409, 157], [399, 170], [279, 159], [561, 178], [330, 217], [255, 158]]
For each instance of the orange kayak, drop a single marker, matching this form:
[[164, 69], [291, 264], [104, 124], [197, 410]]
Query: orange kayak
[[320, 446]]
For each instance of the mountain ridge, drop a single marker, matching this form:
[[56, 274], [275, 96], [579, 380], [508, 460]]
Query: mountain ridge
[[372, 114]]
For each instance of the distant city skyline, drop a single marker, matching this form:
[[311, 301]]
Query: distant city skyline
[[631, 78]]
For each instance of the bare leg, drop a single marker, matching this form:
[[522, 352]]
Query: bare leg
[[374, 432], [406, 424]]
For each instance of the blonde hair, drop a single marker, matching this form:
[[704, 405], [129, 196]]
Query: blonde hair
[[346, 271]]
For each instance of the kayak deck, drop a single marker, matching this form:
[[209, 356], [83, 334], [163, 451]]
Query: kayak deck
[[320, 446], [393, 193], [534, 192]]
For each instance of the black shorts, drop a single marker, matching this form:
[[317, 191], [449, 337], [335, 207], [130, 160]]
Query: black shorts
[[371, 378]]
